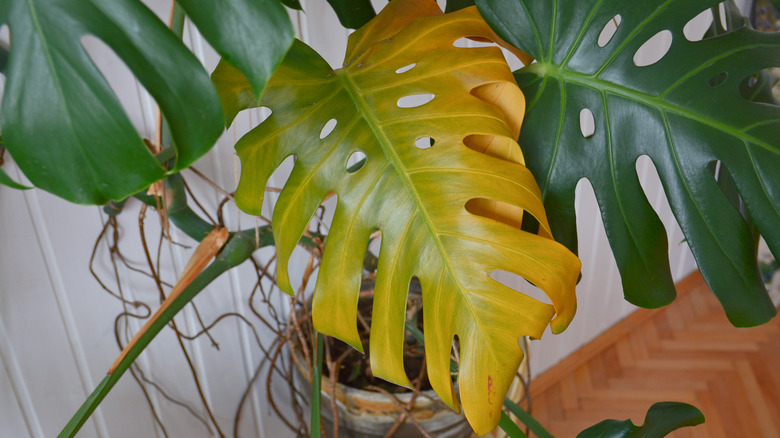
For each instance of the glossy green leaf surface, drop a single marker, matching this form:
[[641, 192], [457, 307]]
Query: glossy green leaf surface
[[252, 35], [456, 5], [661, 419], [684, 111], [353, 13], [293, 4], [449, 213], [62, 123]]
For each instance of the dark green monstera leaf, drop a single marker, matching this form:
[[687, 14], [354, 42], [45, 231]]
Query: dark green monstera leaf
[[684, 111], [60, 119], [661, 419]]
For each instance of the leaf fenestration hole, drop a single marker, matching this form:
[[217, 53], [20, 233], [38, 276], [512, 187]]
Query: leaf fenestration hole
[[118, 75], [520, 284], [727, 185], [278, 179], [5, 35], [508, 214], [356, 161], [455, 351], [696, 27], [424, 142], [330, 125], [718, 79], [263, 114], [722, 12], [496, 146], [609, 30], [473, 42], [415, 100], [587, 123], [406, 68], [654, 49], [512, 60]]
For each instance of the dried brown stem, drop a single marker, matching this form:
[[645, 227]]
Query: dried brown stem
[[195, 200], [403, 409], [269, 391], [119, 295], [162, 392], [208, 181], [409, 406]]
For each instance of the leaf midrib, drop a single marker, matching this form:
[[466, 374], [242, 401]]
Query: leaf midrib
[[56, 79], [376, 127], [593, 82]]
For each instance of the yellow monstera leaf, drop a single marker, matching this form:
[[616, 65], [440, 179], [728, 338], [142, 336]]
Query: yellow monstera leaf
[[449, 214]]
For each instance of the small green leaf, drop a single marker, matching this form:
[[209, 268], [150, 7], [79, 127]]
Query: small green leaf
[[684, 111], [61, 121], [662, 418], [252, 35], [353, 14]]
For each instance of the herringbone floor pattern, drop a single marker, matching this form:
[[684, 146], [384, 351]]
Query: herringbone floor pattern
[[684, 352]]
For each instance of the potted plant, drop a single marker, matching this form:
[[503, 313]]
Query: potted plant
[[450, 210], [357, 404]]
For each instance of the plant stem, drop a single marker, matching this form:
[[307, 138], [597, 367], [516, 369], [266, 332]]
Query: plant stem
[[316, 386], [239, 248], [509, 427], [236, 250], [176, 20], [527, 419]]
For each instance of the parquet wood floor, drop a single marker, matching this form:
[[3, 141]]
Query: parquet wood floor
[[684, 352]]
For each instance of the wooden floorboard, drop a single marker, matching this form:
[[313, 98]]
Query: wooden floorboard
[[684, 352]]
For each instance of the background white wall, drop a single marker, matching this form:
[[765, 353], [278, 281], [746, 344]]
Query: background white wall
[[56, 324]]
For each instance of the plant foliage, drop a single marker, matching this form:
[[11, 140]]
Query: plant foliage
[[661, 419], [449, 214], [67, 130], [684, 111]]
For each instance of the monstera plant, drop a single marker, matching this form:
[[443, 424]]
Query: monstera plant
[[449, 213], [464, 167]]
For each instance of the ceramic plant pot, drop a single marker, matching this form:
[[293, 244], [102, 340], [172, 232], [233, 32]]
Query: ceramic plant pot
[[364, 414]]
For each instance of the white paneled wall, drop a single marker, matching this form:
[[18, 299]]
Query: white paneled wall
[[56, 323]]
